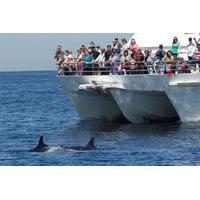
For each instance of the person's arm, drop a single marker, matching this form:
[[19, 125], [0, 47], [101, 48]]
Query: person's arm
[[197, 42], [97, 59], [163, 60]]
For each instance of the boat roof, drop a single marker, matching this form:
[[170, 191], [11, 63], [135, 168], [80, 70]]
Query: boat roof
[[149, 40]]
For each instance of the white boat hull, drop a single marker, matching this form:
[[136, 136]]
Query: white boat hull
[[138, 98], [141, 107], [184, 94], [91, 104]]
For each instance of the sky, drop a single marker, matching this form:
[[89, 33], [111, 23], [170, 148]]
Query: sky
[[35, 51]]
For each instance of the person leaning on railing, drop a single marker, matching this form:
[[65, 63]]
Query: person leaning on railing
[[139, 58], [168, 62], [60, 60], [160, 53], [121, 55], [95, 66], [100, 60], [108, 54], [87, 62]]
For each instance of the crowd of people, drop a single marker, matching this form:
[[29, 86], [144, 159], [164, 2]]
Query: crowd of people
[[123, 57]]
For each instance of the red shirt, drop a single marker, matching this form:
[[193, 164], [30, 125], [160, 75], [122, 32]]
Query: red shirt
[[134, 48], [197, 55]]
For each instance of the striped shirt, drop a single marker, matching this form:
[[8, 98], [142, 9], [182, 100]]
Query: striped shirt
[[197, 55]]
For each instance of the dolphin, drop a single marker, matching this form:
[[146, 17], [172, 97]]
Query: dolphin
[[42, 147]]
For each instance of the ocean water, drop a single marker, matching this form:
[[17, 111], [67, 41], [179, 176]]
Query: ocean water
[[33, 103]]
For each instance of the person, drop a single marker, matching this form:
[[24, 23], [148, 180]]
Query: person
[[101, 58], [92, 44], [169, 61], [139, 58], [168, 58], [160, 53], [182, 66], [116, 47], [95, 54], [79, 55], [191, 47], [87, 60], [197, 53], [60, 60], [125, 57], [124, 61], [115, 61], [175, 47], [197, 57], [149, 59], [133, 46], [58, 52], [98, 48], [68, 56], [132, 64], [78, 60], [83, 48], [68, 62], [115, 56], [132, 61], [147, 54], [108, 53], [124, 45]]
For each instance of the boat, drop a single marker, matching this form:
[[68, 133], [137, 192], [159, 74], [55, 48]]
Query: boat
[[137, 98]]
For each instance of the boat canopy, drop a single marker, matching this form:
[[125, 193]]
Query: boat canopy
[[148, 40]]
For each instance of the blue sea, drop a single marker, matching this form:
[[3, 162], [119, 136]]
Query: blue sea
[[34, 104]]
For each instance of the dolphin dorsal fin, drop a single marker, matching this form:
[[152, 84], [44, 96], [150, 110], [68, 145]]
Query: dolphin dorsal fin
[[91, 143], [41, 141]]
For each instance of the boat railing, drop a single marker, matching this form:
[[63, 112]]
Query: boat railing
[[127, 68]]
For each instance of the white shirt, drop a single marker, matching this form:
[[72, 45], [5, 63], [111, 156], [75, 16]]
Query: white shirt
[[124, 47], [191, 49], [100, 59]]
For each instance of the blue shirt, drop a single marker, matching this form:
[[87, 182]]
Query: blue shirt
[[175, 48], [87, 58]]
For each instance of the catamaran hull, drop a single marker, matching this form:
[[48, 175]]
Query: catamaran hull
[[184, 94], [91, 104], [144, 107], [138, 98]]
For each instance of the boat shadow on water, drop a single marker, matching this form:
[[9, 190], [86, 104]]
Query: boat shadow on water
[[100, 129]]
